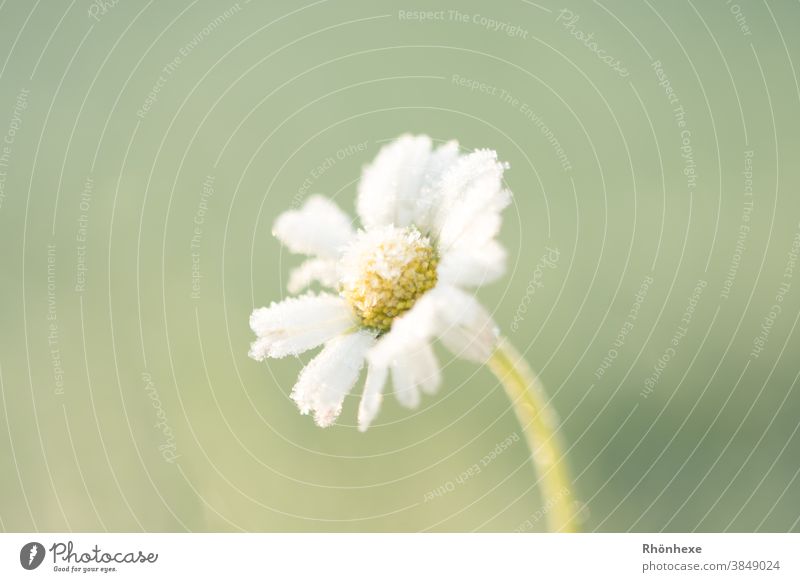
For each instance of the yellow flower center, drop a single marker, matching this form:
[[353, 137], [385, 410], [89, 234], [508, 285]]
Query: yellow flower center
[[384, 272]]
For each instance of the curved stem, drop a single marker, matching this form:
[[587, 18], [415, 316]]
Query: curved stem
[[539, 423]]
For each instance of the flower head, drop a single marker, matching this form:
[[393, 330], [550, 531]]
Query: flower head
[[384, 271], [430, 218]]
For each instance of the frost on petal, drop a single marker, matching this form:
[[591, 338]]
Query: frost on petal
[[430, 191], [320, 270], [472, 199], [425, 368], [386, 183], [326, 380], [298, 324], [405, 389], [446, 312], [400, 187], [372, 396], [319, 228], [468, 266], [407, 351], [467, 329], [413, 370], [415, 326]]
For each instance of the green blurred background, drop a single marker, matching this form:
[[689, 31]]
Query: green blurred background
[[128, 400]]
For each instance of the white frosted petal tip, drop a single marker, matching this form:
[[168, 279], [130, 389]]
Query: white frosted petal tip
[[318, 228], [326, 380], [298, 324]]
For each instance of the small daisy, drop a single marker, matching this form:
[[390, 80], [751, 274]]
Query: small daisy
[[429, 220]]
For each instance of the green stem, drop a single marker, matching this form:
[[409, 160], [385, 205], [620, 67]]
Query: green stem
[[540, 425]]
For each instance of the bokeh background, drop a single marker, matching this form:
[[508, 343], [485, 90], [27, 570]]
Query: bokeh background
[[148, 147]]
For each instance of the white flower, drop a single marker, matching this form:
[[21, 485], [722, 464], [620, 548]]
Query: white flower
[[430, 217]]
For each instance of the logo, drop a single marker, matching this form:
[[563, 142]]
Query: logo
[[31, 555]]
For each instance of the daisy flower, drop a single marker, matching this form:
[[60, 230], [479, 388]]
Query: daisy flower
[[429, 221]]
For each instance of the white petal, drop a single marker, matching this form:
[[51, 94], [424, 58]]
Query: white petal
[[405, 389], [430, 193], [468, 266], [417, 325], [467, 329], [298, 324], [401, 185], [372, 396], [319, 228], [321, 270], [383, 183], [471, 200], [425, 368], [413, 370], [326, 380], [446, 312], [407, 351]]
